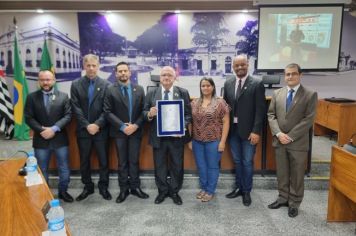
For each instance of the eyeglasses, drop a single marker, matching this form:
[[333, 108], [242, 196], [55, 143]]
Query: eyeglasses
[[291, 74], [45, 80], [167, 75]]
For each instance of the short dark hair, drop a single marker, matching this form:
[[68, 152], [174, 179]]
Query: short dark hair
[[211, 82], [294, 65], [122, 63]]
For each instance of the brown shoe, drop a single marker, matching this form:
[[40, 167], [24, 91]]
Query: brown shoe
[[201, 194], [207, 197]]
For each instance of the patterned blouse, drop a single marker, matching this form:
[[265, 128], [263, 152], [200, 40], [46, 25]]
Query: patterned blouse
[[208, 121]]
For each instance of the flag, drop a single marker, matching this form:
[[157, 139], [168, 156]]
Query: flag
[[46, 62], [6, 108], [22, 131]]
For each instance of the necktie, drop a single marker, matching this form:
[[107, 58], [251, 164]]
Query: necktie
[[126, 94], [238, 92], [289, 99], [48, 101], [166, 95], [91, 91]]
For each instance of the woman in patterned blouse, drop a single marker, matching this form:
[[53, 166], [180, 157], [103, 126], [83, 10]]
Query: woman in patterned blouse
[[210, 128]]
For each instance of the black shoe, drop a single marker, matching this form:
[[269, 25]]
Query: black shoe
[[139, 193], [276, 205], [160, 198], [176, 199], [105, 194], [246, 199], [65, 196], [292, 212], [235, 193], [84, 194], [122, 196]]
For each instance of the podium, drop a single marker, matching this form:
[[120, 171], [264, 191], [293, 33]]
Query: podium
[[342, 186]]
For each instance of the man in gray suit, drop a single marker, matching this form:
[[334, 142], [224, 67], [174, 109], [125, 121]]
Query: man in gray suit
[[291, 115], [87, 95], [168, 152], [123, 107], [47, 112], [246, 97]]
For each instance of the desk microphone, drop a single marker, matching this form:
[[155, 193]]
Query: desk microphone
[[350, 146], [22, 170]]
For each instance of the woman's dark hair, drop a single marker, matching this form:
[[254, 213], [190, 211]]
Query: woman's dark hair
[[211, 82]]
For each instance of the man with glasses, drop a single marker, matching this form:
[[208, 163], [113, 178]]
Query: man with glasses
[[47, 112], [167, 151], [291, 114]]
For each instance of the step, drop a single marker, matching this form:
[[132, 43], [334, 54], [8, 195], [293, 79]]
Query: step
[[191, 181], [320, 168]]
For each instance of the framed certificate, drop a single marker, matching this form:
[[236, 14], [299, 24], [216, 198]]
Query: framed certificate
[[170, 118]]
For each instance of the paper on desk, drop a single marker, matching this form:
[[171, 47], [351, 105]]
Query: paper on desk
[[36, 181]]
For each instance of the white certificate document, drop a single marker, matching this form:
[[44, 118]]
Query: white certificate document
[[170, 117]]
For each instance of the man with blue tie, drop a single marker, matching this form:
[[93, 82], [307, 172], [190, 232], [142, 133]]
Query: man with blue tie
[[168, 152], [291, 114], [123, 107], [47, 112], [87, 95]]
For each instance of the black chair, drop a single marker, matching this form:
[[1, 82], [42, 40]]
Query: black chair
[[271, 80]]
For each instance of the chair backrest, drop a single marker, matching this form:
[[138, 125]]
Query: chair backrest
[[271, 80]]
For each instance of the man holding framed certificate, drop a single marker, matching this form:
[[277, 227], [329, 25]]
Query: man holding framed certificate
[[168, 110]]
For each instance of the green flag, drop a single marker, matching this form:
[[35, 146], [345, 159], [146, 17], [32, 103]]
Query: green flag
[[46, 63], [22, 131]]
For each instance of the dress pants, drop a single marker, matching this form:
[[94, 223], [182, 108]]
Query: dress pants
[[168, 160], [290, 175], [101, 147], [128, 152]]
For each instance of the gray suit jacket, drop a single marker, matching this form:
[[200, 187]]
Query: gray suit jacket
[[297, 121], [59, 115], [150, 101], [117, 109], [89, 113], [251, 108]]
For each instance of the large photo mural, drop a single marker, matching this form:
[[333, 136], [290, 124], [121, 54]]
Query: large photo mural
[[196, 44]]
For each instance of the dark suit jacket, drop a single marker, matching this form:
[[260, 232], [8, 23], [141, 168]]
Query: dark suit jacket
[[251, 107], [87, 114], [116, 109], [150, 101], [36, 116], [297, 121]]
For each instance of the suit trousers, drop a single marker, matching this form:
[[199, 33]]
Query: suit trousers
[[290, 175], [168, 160], [85, 147], [128, 153]]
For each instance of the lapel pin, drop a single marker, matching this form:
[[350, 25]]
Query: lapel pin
[[98, 89], [53, 97], [134, 90], [176, 94]]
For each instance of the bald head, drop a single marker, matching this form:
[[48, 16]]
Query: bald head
[[240, 65], [167, 77]]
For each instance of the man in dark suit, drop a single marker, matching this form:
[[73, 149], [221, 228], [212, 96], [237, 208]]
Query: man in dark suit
[[246, 97], [87, 95], [123, 107], [47, 112], [291, 114], [168, 152]]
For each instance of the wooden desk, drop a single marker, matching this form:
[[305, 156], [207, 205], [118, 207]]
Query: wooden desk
[[342, 186], [20, 206], [339, 117]]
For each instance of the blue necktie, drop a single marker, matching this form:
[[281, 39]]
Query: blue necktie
[[166, 95], [48, 101], [289, 99], [91, 91]]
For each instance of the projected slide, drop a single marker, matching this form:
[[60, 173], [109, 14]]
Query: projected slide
[[309, 36], [312, 29]]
